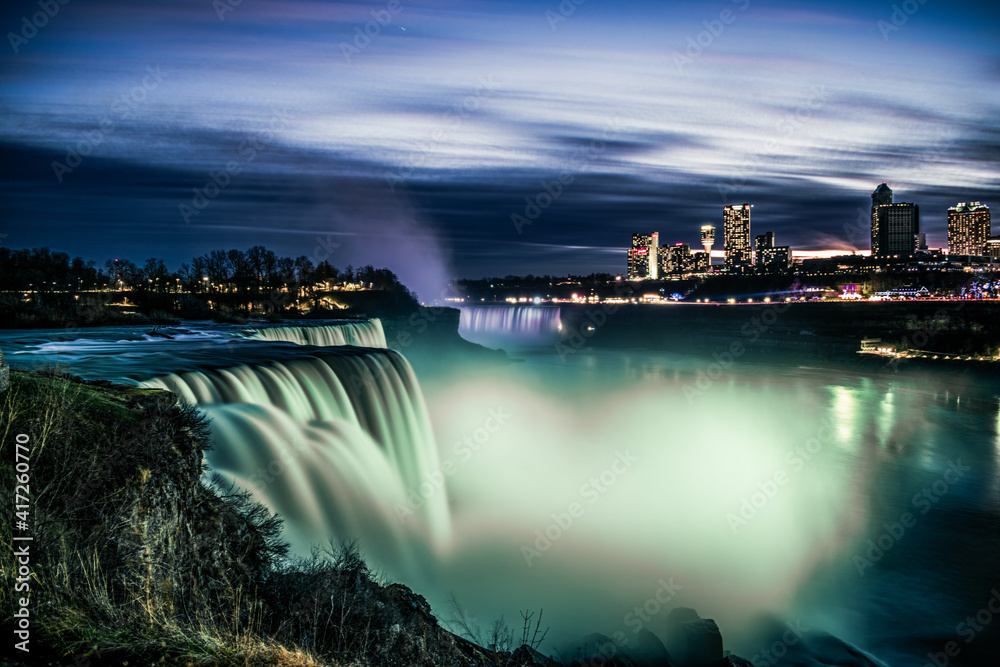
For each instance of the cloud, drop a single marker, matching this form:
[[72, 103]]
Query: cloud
[[403, 144]]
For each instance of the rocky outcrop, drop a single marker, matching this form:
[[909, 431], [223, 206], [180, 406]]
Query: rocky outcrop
[[692, 640]]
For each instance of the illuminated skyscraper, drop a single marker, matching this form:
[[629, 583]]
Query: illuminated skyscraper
[[898, 225], [736, 235], [894, 226], [681, 259], [968, 228], [643, 256], [881, 197]]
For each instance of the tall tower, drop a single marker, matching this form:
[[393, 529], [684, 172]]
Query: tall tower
[[708, 240], [881, 197], [736, 235], [968, 228]]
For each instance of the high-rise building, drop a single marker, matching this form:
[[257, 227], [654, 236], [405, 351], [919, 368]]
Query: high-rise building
[[894, 226], [968, 228], [708, 240], [762, 241], [643, 256], [898, 226], [666, 261], [736, 235], [769, 257], [681, 259], [880, 197]]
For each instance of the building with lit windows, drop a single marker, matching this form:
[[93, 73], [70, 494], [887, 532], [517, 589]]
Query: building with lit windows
[[702, 261], [769, 257], [895, 226], [880, 197], [968, 228], [898, 226], [643, 256], [736, 235], [681, 259], [991, 248]]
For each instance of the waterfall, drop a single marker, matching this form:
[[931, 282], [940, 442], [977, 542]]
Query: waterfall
[[366, 333], [335, 444], [505, 325]]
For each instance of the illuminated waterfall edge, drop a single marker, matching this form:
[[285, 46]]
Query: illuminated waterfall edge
[[367, 333], [338, 444]]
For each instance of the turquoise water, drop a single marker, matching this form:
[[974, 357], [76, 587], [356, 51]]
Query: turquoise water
[[609, 487]]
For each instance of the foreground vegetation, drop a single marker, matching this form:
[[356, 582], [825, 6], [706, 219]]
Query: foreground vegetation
[[137, 561]]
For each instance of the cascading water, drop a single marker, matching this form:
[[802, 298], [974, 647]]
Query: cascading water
[[510, 325], [333, 443], [368, 333]]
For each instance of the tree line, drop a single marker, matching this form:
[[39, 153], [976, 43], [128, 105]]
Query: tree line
[[247, 282]]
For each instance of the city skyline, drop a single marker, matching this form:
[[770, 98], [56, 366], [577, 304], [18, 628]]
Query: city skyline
[[451, 121], [894, 230]]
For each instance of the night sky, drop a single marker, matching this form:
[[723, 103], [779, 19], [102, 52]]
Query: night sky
[[414, 147]]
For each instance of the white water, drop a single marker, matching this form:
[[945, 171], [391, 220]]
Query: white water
[[368, 333], [496, 326], [332, 443]]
